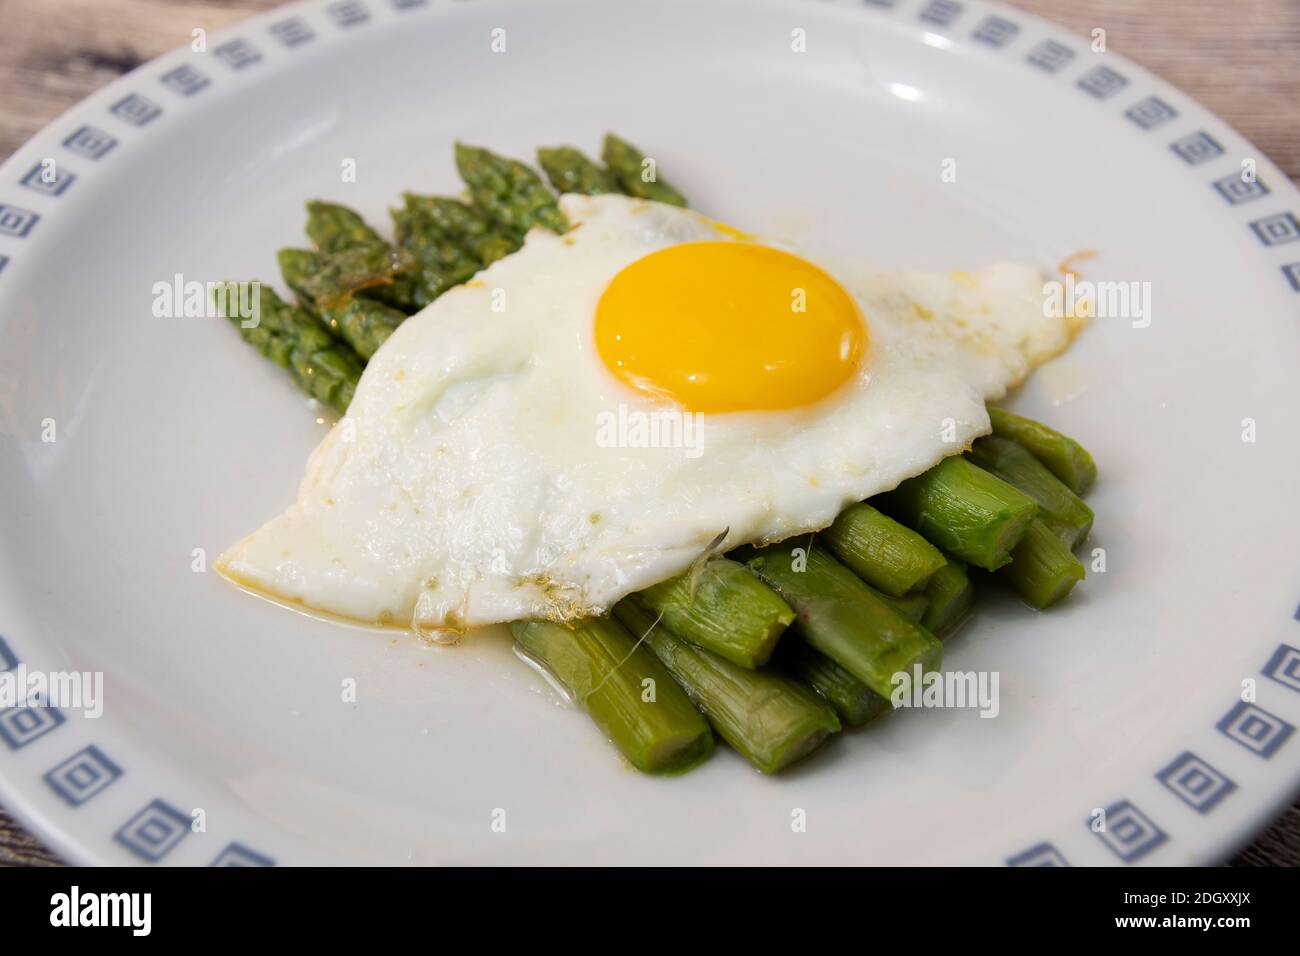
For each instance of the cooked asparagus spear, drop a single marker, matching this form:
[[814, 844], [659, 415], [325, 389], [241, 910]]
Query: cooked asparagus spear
[[297, 268], [964, 510], [624, 688], [633, 171], [1042, 568], [444, 259], [363, 323], [720, 606], [354, 258], [1067, 459], [1058, 507], [324, 368], [853, 700], [451, 219], [333, 228], [911, 606], [888, 556], [951, 595], [770, 719], [571, 172], [510, 193], [842, 617]]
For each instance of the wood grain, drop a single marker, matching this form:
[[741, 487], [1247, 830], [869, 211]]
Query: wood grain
[[1238, 59]]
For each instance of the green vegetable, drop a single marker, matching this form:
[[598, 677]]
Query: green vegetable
[[1058, 507], [363, 323], [853, 700], [633, 170], [352, 259], [333, 228], [842, 617], [443, 259], [323, 367], [964, 510], [510, 192], [624, 688], [438, 220], [571, 172], [911, 606], [298, 267], [888, 556], [1065, 457], [950, 595], [720, 606], [1042, 568], [771, 720]]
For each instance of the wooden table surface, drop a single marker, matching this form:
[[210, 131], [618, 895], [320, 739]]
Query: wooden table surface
[[1239, 59]]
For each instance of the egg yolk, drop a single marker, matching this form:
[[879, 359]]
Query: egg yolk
[[729, 327]]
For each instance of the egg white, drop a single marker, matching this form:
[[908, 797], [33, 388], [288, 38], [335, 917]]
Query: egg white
[[466, 485]]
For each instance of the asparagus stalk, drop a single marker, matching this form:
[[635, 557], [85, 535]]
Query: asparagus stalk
[[631, 167], [721, 607], [888, 556], [910, 606], [1042, 568], [853, 700], [324, 368], [512, 195], [842, 617], [444, 259], [354, 258], [571, 172], [451, 219], [950, 595], [1065, 457], [333, 228], [770, 719], [964, 510], [364, 324], [297, 268], [624, 688], [1058, 507]]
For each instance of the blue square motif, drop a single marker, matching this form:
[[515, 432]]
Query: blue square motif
[[1195, 782], [154, 831], [83, 775]]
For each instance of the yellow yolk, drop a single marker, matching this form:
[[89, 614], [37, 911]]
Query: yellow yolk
[[729, 327]]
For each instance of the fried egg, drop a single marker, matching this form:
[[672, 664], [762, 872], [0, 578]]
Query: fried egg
[[592, 413]]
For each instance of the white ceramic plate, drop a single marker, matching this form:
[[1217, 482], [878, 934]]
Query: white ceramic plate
[[173, 436]]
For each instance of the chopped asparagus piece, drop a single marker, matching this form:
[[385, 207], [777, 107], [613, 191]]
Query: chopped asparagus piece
[[911, 606], [1042, 568], [633, 168], [853, 700], [510, 192], [888, 556], [844, 618], [720, 606], [964, 510], [624, 688], [1058, 507], [951, 595], [1065, 457], [770, 719]]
